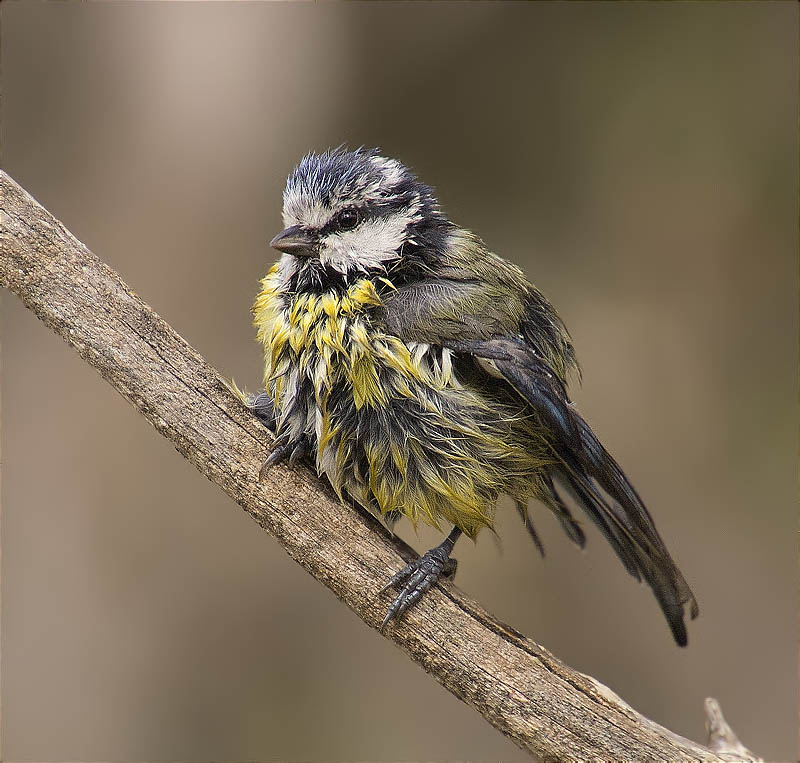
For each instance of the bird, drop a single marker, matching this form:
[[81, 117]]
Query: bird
[[425, 377]]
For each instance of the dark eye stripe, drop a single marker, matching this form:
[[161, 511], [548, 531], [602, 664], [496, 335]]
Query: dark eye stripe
[[344, 220], [377, 210]]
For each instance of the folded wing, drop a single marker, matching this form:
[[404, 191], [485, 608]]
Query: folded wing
[[502, 321], [592, 476]]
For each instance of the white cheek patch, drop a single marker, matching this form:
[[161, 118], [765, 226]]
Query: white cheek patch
[[371, 244]]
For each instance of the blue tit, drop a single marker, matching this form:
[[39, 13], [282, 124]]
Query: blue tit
[[425, 376]]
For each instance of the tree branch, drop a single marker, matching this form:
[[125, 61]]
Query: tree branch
[[519, 687]]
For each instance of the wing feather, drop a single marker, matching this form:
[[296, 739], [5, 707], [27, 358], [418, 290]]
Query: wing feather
[[482, 306], [593, 477]]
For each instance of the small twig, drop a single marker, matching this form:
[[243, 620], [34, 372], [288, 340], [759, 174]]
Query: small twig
[[541, 704], [721, 737]]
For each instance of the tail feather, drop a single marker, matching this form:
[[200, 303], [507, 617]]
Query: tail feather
[[597, 482], [571, 527], [559, 508], [523, 512], [589, 473], [586, 495]]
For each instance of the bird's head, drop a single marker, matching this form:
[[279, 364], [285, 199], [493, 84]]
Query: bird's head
[[356, 212]]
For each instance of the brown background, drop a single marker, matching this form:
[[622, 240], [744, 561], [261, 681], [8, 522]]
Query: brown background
[[638, 160]]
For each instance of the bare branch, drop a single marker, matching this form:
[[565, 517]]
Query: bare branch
[[519, 687], [721, 737]]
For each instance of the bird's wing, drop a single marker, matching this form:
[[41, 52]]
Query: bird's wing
[[531, 352]]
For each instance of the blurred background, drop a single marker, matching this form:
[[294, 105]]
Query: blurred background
[[639, 161]]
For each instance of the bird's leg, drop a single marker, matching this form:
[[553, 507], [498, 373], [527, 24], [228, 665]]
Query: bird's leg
[[418, 576]]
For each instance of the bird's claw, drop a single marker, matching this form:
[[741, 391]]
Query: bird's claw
[[417, 578], [282, 449]]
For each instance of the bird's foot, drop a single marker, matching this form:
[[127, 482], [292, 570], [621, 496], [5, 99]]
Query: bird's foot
[[285, 448], [416, 578]]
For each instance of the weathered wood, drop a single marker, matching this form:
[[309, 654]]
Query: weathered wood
[[721, 737], [547, 708]]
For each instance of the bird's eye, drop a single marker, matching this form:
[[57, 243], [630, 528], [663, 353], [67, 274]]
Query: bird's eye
[[348, 219]]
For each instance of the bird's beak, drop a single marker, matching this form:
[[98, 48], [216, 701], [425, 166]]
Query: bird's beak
[[294, 240]]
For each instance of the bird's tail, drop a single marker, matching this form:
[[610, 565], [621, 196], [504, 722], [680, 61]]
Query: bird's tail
[[595, 480]]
